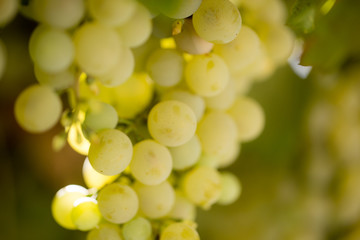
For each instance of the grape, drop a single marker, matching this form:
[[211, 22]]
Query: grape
[[177, 8], [137, 229], [8, 10], [97, 48], [231, 188], [165, 67], [172, 123], [58, 81], [138, 28], [112, 12], [230, 156], [217, 21], [143, 52], [77, 140], [248, 117], [186, 155], [207, 75], [155, 201], [179, 231], [105, 231], [93, 179], [202, 185], [110, 153], [208, 160], [163, 26], [2, 58], [118, 203], [85, 213], [183, 209], [37, 109], [63, 203], [51, 49], [100, 116], [224, 100], [151, 163]]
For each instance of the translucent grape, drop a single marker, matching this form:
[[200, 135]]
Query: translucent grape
[[183, 209], [37, 109], [85, 213], [93, 179], [137, 229], [118, 203], [2, 58], [58, 81], [51, 49], [179, 231], [77, 140], [207, 75], [217, 21], [155, 201], [224, 100], [100, 116], [63, 203], [105, 231], [162, 26], [177, 8], [111, 152], [172, 123], [8, 10], [231, 188], [165, 67], [186, 155], [230, 156], [151, 163]]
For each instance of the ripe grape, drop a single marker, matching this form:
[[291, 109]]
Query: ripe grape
[[137, 229], [230, 188], [186, 155], [105, 231], [100, 116], [179, 231], [85, 213]]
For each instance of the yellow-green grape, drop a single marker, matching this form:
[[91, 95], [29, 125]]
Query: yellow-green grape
[[58, 81], [59, 14], [51, 49], [189, 41], [137, 229], [37, 109], [230, 156], [165, 67], [240, 52], [195, 102], [230, 188], [118, 203], [112, 12], [178, 9], [105, 231], [217, 21], [93, 179], [100, 116], [172, 123], [110, 152], [97, 48], [151, 163], [183, 209], [142, 52], [271, 12], [249, 118], [217, 132], [206, 75], [137, 29], [121, 72], [155, 201], [8, 10], [85, 213], [63, 204], [223, 100], [77, 140], [186, 155], [179, 231], [162, 26], [2, 58], [208, 160], [202, 186]]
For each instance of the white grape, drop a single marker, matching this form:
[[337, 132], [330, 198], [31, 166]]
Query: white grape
[[58, 81], [85, 213], [8, 10], [225, 99], [183, 209], [186, 155], [105, 231], [137, 229], [179, 231], [178, 9], [231, 188], [94, 179], [100, 116]]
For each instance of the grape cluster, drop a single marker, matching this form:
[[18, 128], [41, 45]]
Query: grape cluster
[[156, 95]]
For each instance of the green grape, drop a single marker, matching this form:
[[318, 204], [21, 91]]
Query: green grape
[[186, 155], [242, 51], [177, 8], [155, 201], [183, 209], [37, 109], [93, 179], [77, 140], [208, 160], [51, 49], [249, 118], [59, 14], [195, 102], [121, 72], [105, 231], [137, 229], [97, 48], [217, 21], [2, 58], [269, 11], [165, 67], [202, 186], [63, 204], [163, 26], [100, 116], [172, 123], [151, 163], [112, 12], [58, 81], [110, 152], [207, 75], [85, 213], [137, 29], [230, 156], [8, 10], [118, 203], [230, 188], [179, 231], [224, 100], [217, 132], [143, 52]]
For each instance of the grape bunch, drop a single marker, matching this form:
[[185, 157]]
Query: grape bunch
[[153, 93]]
